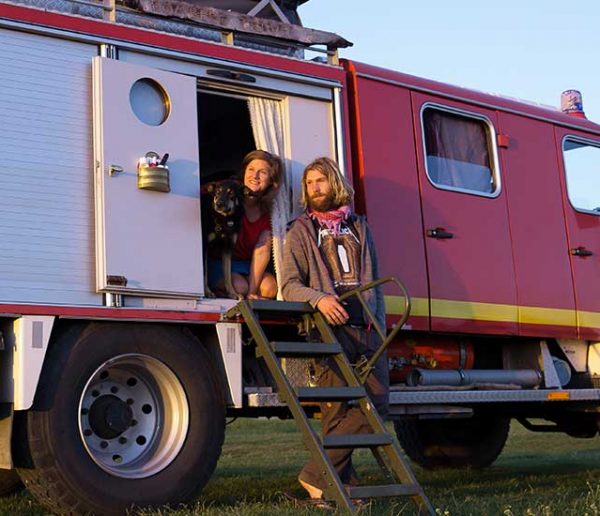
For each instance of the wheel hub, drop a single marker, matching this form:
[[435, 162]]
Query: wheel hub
[[110, 417], [133, 416]]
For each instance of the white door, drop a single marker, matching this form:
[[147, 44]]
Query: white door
[[148, 242]]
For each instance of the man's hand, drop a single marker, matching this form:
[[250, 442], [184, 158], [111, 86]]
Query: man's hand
[[333, 310]]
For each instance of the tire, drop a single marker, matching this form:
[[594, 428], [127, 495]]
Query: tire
[[125, 415], [10, 482], [456, 443]]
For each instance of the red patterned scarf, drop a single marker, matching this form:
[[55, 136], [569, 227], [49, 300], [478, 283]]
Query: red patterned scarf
[[331, 219]]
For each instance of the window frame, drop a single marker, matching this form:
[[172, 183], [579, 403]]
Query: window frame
[[586, 141], [492, 146]]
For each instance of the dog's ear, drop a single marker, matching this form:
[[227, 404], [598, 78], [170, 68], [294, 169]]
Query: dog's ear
[[208, 188]]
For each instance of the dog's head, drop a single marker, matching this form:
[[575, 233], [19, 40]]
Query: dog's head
[[227, 196]]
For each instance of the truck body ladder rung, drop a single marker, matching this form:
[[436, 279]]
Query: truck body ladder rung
[[356, 440], [331, 393], [305, 349], [384, 491]]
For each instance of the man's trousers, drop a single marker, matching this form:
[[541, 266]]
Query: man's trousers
[[340, 417]]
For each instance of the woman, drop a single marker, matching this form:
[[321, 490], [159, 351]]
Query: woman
[[250, 276]]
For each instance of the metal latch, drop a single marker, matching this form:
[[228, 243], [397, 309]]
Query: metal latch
[[114, 169]]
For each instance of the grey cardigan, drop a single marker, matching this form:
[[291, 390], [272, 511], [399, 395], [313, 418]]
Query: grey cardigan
[[305, 276]]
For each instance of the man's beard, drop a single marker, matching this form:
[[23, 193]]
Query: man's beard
[[321, 203]]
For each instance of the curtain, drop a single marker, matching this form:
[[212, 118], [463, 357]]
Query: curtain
[[266, 116], [457, 151]]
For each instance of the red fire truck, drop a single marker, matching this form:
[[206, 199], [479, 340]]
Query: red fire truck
[[117, 372]]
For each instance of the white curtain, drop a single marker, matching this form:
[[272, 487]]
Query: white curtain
[[266, 116]]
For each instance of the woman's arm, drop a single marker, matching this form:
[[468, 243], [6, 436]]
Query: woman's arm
[[260, 259]]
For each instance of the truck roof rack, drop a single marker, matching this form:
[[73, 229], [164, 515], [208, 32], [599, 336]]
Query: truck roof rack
[[267, 25]]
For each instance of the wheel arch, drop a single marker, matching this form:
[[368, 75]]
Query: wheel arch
[[83, 352], [67, 331]]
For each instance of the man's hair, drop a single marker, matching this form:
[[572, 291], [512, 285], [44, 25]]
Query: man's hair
[[342, 191], [275, 172]]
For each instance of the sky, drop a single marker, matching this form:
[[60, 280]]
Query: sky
[[525, 49]]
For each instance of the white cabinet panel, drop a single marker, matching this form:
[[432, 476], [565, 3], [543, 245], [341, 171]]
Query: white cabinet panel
[[46, 192], [151, 238]]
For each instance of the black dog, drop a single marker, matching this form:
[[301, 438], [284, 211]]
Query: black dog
[[222, 210]]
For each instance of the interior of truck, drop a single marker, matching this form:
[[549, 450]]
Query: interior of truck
[[225, 134]]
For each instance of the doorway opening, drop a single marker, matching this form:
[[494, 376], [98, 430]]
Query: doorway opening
[[225, 134], [231, 124]]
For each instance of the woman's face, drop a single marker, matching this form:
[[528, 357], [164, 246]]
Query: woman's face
[[257, 176]]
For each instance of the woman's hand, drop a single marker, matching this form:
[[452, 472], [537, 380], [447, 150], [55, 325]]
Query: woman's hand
[[333, 310]]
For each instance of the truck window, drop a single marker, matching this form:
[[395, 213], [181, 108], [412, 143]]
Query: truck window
[[582, 164], [459, 152]]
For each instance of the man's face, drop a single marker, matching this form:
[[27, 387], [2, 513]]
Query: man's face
[[319, 191]]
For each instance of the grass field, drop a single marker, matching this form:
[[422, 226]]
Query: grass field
[[538, 474]]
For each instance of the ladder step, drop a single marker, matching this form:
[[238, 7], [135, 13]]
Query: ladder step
[[305, 349], [280, 307], [384, 491], [356, 440], [330, 393]]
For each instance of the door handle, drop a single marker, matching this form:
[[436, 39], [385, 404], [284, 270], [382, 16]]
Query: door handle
[[439, 233], [114, 170], [581, 251]]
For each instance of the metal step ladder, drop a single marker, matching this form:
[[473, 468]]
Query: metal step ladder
[[399, 479]]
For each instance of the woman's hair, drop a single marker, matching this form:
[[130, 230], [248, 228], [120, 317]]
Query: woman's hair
[[343, 193], [275, 173]]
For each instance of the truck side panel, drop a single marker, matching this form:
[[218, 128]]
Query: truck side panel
[[46, 197], [531, 177], [506, 267], [386, 166]]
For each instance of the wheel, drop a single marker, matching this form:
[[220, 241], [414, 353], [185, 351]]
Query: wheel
[[455, 443], [125, 415], [10, 482]]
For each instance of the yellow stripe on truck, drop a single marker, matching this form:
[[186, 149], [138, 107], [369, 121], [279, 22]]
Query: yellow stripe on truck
[[473, 311], [394, 305], [551, 316], [494, 312], [589, 319]]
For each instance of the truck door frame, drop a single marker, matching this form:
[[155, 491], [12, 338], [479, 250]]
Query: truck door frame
[[583, 228], [470, 268]]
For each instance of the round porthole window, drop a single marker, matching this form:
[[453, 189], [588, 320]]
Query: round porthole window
[[149, 101]]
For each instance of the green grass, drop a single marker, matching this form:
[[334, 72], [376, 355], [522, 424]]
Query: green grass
[[537, 474]]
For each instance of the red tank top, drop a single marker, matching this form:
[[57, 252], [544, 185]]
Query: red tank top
[[248, 237]]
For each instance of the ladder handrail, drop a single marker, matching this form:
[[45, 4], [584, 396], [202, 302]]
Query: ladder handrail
[[364, 367]]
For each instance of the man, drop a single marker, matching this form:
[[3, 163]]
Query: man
[[328, 251]]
